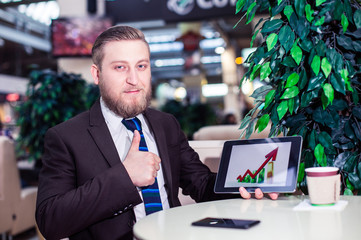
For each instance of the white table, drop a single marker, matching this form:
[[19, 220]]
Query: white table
[[278, 221]]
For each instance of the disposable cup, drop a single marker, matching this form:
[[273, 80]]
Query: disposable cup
[[323, 185]]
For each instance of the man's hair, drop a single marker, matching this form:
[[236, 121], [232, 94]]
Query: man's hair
[[116, 33]]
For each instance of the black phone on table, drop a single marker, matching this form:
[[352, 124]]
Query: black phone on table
[[226, 223]]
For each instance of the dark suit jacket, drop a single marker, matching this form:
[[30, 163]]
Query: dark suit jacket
[[84, 189]]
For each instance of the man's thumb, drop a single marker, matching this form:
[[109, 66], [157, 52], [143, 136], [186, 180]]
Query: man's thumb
[[135, 141]]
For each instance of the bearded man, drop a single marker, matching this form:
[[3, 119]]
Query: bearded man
[[112, 165]]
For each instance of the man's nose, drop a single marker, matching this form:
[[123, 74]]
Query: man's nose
[[132, 77]]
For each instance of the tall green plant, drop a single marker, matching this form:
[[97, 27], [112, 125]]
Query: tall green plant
[[310, 63], [51, 99]]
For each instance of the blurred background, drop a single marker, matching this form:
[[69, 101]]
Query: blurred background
[[198, 49]]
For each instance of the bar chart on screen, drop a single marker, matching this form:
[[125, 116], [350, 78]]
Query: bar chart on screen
[[258, 176]]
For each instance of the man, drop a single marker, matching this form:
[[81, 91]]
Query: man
[[94, 173]]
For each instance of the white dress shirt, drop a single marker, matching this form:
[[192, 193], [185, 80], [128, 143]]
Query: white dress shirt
[[122, 139]]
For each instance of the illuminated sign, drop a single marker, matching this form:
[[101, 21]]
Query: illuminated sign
[[168, 10]]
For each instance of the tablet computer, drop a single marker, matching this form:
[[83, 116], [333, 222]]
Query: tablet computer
[[270, 164]]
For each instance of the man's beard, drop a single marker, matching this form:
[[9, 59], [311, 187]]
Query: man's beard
[[122, 108]]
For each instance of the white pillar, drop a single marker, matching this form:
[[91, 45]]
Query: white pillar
[[229, 76]]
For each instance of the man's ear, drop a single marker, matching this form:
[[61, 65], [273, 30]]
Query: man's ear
[[95, 73]]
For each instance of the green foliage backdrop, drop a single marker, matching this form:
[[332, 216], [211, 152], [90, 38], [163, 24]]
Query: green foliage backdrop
[[310, 63], [51, 99]]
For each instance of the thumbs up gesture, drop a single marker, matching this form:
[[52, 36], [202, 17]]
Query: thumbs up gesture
[[141, 166]]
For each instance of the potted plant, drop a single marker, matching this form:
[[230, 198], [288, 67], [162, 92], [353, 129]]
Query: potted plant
[[51, 99], [309, 62]]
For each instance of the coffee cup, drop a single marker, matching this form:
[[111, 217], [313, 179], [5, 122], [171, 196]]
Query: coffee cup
[[323, 185]]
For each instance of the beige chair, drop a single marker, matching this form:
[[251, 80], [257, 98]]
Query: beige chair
[[225, 132], [210, 154], [17, 211]]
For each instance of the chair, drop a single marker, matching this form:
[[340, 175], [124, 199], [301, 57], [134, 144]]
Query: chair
[[209, 152], [226, 132], [17, 206]]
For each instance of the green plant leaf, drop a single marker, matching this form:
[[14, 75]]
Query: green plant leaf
[[329, 92], [272, 25], [262, 122], [305, 99], [282, 109], [245, 122], [304, 80], [255, 72], [265, 71], [320, 155], [315, 82], [326, 67], [309, 13], [300, 7], [357, 18], [345, 42], [345, 77], [261, 92], [355, 180], [312, 139], [344, 22], [289, 62], [325, 139], [315, 65], [306, 45], [275, 10], [249, 130], [290, 92], [350, 164], [296, 53], [301, 172], [286, 37], [319, 2], [359, 169], [288, 11], [347, 192], [251, 12], [271, 41], [239, 5], [269, 97], [349, 185], [335, 59], [254, 37], [291, 105], [320, 21], [292, 80]]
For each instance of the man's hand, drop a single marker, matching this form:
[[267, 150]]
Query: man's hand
[[141, 166], [257, 193]]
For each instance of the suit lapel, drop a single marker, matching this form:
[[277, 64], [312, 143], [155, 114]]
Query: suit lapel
[[159, 134], [100, 133]]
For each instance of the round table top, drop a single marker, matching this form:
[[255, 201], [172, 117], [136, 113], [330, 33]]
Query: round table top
[[279, 220]]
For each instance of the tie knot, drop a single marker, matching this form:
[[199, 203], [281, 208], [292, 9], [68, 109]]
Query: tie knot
[[132, 124]]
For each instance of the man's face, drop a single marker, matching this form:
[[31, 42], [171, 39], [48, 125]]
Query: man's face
[[125, 77]]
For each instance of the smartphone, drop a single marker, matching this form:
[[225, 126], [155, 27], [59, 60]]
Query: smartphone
[[225, 223]]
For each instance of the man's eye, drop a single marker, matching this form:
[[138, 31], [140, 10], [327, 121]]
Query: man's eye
[[119, 67], [142, 66]]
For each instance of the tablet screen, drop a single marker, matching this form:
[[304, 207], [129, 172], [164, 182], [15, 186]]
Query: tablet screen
[[270, 164]]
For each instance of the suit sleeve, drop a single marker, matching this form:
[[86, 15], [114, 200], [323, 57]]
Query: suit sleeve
[[64, 205]]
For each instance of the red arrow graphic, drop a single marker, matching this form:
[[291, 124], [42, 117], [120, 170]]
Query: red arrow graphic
[[270, 156]]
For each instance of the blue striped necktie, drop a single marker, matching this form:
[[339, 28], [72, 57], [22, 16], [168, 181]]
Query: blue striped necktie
[[151, 196]]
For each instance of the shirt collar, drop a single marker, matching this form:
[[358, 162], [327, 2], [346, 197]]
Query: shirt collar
[[115, 121]]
